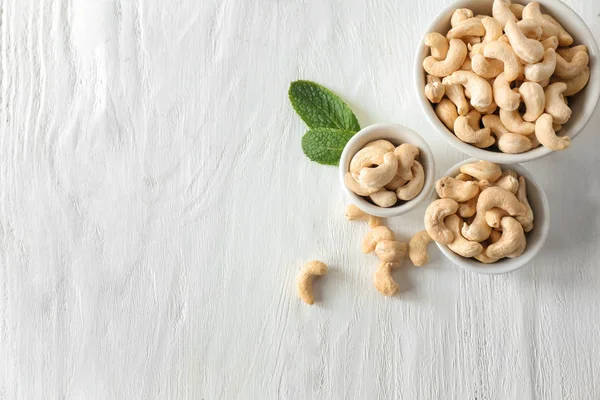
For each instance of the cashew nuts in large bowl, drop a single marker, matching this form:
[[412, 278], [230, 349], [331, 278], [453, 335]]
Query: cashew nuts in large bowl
[[524, 74], [493, 235], [387, 169]]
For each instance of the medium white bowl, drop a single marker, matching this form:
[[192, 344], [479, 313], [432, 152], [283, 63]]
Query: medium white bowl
[[582, 104], [535, 239], [396, 134]]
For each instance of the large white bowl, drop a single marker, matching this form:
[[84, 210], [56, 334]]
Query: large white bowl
[[535, 239], [583, 104], [396, 134]]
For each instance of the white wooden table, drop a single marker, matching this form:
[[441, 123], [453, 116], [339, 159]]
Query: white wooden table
[[156, 206]]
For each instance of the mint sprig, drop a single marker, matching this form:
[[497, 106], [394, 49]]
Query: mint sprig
[[331, 121]]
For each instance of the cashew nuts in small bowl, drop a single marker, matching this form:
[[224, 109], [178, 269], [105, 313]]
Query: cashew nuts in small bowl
[[493, 230], [387, 169], [508, 82]]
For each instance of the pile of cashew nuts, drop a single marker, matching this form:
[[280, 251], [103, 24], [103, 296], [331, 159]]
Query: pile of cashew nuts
[[385, 173], [483, 213], [516, 68]]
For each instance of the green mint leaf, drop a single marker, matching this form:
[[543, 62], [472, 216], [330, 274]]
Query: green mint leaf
[[325, 145], [320, 108]]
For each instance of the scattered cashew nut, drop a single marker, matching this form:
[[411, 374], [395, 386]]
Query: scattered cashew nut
[[383, 280], [354, 213], [308, 272], [417, 248], [374, 236], [391, 250]]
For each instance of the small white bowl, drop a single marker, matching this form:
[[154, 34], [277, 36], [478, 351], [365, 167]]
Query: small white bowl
[[582, 104], [535, 239], [396, 134]]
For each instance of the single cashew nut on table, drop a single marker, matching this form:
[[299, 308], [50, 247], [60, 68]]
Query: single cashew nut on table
[[354, 213], [547, 136], [447, 113], [564, 39], [406, 154], [511, 239], [504, 95], [460, 245], [435, 214], [308, 272], [438, 45], [457, 52], [526, 219], [378, 177], [434, 90], [356, 187], [415, 185], [554, 103], [528, 50], [383, 280], [501, 11], [532, 11], [514, 123], [535, 100], [374, 236], [543, 70], [417, 248], [456, 95], [479, 88], [482, 170], [503, 52], [457, 190], [468, 27], [384, 198], [391, 250]]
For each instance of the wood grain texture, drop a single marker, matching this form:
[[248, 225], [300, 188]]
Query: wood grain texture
[[156, 207]]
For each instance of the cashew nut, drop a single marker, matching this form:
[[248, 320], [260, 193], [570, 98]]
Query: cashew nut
[[460, 245], [378, 177], [482, 170], [513, 143], [503, 52], [493, 197], [459, 15], [511, 239], [307, 274], [354, 213], [483, 258], [564, 39], [530, 28], [529, 50], [493, 29], [487, 110], [494, 216], [503, 94], [468, 208], [576, 84], [485, 67], [434, 90], [514, 123], [547, 136], [534, 99], [468, 27], [396, 182], [459, 191], [517, 10], [550, 43], [446, 112], [390, 250], [532, 11], [406, 154], [356, 187], [465, 132], [496, 126], [526, 219], [501, 11], [415, 185], [366, 157], [508, 181], [543, 70], [456, 95], [555, 105], [382, 144], [569, 52], [480, 89], [374, 236], [384, 198], [457, 52], [570, 69], [435, 214], [384, 283], [464, 177], [438, 45], [417, 248]]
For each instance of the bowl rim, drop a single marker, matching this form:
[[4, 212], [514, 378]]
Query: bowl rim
[[425, 152], [502, 266], [493, 156]]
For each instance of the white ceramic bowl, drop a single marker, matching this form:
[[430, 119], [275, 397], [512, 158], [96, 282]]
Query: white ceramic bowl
[[535, 239], [396, 134], [583, 104]]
